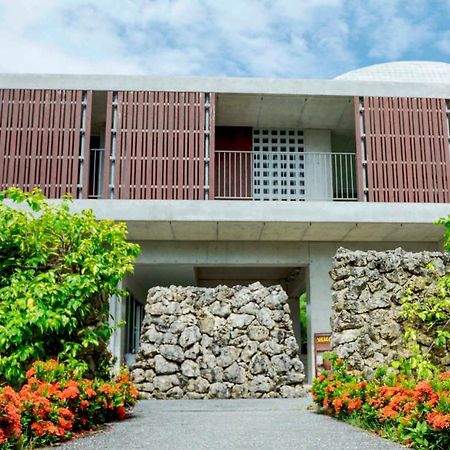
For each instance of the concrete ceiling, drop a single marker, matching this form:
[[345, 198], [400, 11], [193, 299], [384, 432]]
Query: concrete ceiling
[[285, 111], [283, 231], [164, 275], [147, 276], [231, 276]]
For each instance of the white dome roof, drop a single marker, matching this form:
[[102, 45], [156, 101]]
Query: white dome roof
[[406, 71]]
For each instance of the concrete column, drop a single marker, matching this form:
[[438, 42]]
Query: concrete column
[[117, 310], [319, 295], [318, 168]]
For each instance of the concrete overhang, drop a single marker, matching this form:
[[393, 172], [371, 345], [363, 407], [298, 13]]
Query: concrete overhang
[[226, 85], [287, 111], [169, 220]]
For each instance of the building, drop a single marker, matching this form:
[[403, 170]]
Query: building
[[229, 181]]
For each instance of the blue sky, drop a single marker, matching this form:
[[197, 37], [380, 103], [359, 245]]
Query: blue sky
[[262, 38]]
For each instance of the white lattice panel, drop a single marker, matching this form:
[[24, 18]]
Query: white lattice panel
[[278, 165]]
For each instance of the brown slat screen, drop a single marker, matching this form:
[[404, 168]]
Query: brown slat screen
[[40, 140], [157, 144], [407, 150]]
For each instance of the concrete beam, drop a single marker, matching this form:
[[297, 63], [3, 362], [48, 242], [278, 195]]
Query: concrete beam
[[272, 221], [226, 85]]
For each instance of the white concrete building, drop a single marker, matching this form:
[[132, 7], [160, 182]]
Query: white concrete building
[[230, 181]]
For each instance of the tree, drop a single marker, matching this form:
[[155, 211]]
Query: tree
[[57, 271]]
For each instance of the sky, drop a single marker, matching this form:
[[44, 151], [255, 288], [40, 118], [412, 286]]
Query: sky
[[241, 38]]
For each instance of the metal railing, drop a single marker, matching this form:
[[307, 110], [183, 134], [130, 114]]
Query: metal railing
[[330, 176], [96, 164], [300, 176], [233, 174]]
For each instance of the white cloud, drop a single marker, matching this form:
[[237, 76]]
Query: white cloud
[[444, 43], [284, 38]]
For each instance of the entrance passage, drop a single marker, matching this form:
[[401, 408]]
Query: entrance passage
[[275, 424], [291, 279]]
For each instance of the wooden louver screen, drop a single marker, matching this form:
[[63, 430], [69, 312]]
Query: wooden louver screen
[[42, 140], [155, 145], [405, 142]]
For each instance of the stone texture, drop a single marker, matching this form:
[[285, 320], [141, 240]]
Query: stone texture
[[367, 327], [218, 343]]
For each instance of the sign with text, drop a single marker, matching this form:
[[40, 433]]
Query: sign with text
[[322, 344]]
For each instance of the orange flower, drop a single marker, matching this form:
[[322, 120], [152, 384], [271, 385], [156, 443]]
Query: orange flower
[[12, 419], [30, 373], [438, 420], [84, 404], [10, 395], [66, 413], [65, 425], [354, 404], [338, 403], [69, 392], [387, 413], [89, 392], [424, 387], [106, 389]]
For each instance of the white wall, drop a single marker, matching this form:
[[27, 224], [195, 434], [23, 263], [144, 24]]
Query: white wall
[[318, 170]]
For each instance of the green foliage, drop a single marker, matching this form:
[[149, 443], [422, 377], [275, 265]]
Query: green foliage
[[446, 222], [303, 316], [57, 270], [426, 310]]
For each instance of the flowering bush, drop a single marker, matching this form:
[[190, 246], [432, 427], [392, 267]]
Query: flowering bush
[[56, 401], [57, 271], [397, 405]]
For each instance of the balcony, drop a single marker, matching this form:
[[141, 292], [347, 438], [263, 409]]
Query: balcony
[[285, 176]]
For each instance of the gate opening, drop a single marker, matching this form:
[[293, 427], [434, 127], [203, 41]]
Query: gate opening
[[291, 279]]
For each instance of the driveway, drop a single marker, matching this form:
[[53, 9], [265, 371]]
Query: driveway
[[229, 424]]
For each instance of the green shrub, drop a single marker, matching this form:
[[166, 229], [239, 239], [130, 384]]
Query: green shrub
[[57, 270], [446, 222], [303, 317], [426, 310]]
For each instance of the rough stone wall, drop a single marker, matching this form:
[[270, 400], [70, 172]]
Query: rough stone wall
[[366, 325], [218, 343]]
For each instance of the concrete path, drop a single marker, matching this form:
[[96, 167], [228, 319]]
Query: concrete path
[[229, 424]]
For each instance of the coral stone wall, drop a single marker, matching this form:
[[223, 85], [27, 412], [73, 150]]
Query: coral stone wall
[[368, 286], [218, 343]]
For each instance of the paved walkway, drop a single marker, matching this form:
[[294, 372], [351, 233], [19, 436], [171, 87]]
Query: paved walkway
[[229, 424]]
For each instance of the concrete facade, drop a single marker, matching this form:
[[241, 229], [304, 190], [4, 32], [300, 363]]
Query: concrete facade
[[188, 241], [315, 258], [179, 237]]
